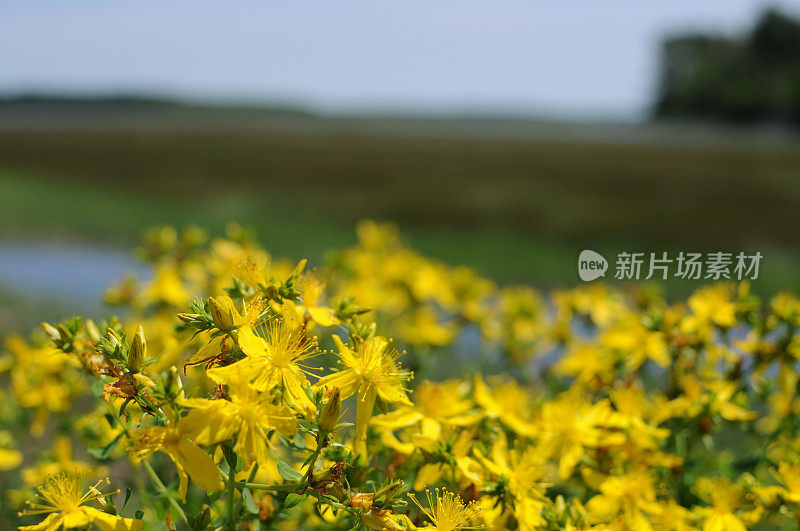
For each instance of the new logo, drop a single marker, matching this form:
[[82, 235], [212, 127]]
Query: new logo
[[591, 265]]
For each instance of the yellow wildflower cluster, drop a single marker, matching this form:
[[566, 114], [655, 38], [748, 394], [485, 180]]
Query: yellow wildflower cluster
[[241, 391]]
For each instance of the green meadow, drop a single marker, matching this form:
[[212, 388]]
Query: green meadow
[[518, 208]]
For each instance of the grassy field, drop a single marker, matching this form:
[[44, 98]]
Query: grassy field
[[518, 210]]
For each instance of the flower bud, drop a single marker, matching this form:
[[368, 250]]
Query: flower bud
[[137, 352], [173, 386], [52, 332], [144, 380], [331, 411], [362, 499], [362, 331], [387, 493], [221, 313], [64, 333], [91, 329], [188, 318], [113, 337], [377, 519]]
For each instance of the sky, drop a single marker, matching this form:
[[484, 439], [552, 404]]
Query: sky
[[552, 58]]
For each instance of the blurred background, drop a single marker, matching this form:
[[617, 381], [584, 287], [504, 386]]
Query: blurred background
[[505, 136]]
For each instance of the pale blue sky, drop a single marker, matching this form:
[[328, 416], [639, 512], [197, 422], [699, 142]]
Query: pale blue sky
[[558, 58]]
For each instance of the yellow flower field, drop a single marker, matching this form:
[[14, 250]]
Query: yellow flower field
[[385, 390]]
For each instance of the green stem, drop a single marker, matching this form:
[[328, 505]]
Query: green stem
[[274, 488], [163, 490], [312, 464], [240, 501], [231, 495], [291, 487]]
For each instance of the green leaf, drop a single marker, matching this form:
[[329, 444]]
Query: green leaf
[[249, 502], [306, 424], [111, 419], [127, 498], [311, 457], [230, 456], [124, 405], [293, 499], [103, 454], [287, 472]]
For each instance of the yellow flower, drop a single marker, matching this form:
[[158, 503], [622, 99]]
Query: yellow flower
[[457, 445], [786, 306], [591, 365], [423, 326], [227, 258], [634, 343], [597, 301], [382, 519], [788, 474], [9, 457], [274, 359], [187, 456], [376, 236], [570, 424], [63, 497], [506, 401], [520, 321], [166, 287], [247, 414], [521, 471], [712, 305], [370, 371], [447, 511], [673, 516], [714, 397], [726, 501], [311, 307], [632, 410], [436, 405], [42, 379], [625, 499]]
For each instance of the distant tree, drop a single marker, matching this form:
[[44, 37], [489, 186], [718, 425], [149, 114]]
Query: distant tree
[[776, 38], [751, 78]]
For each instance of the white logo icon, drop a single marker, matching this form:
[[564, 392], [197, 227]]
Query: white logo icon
[[591, 265]]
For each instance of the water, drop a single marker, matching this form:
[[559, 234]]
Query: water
[[77, 273]]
